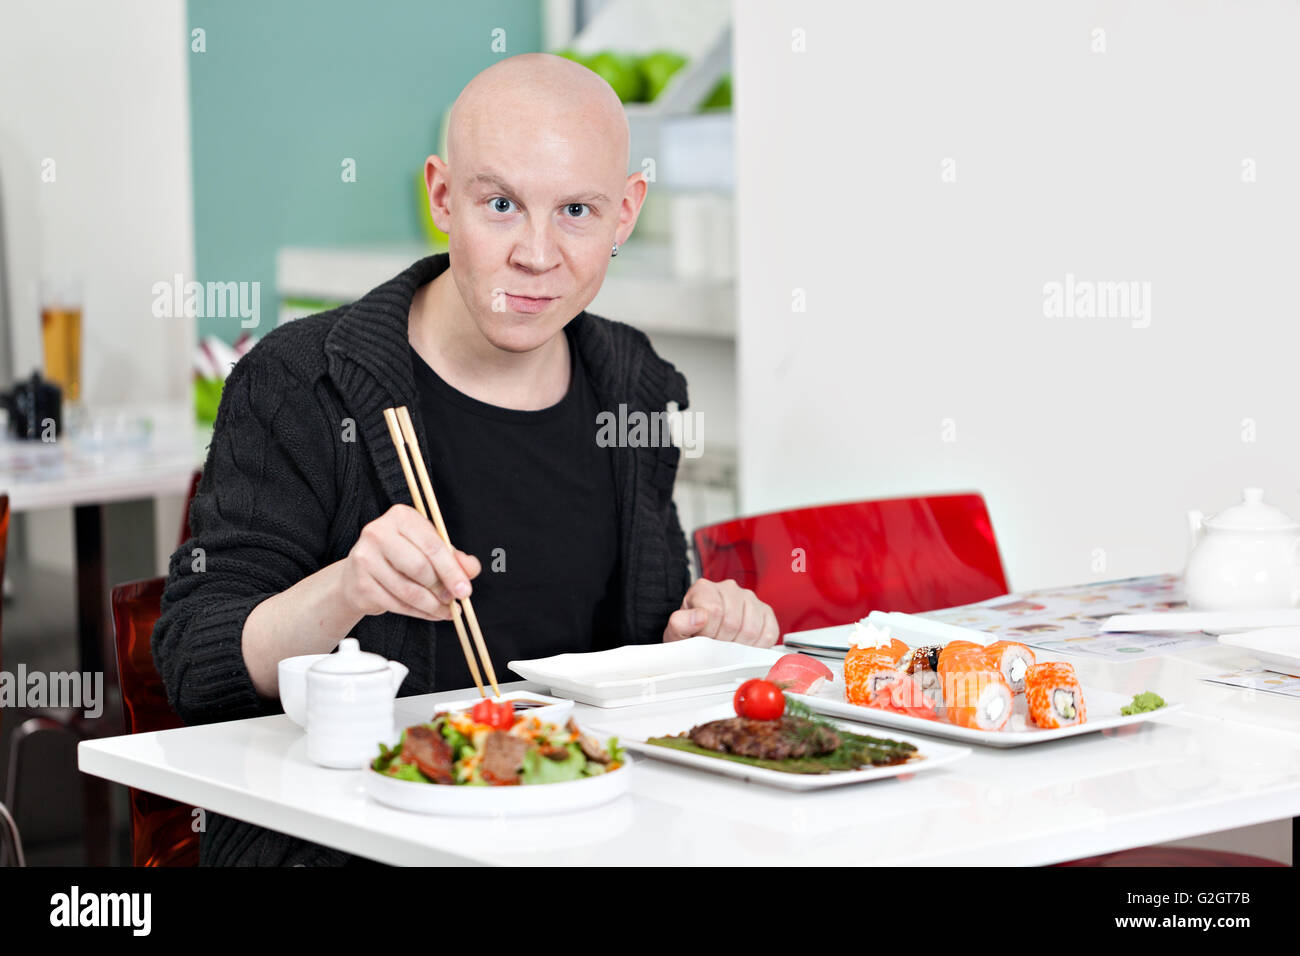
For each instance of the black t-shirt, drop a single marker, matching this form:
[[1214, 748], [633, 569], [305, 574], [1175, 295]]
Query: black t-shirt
[[531, 495]]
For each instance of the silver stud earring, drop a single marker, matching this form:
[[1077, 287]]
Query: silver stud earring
[[613, 252]]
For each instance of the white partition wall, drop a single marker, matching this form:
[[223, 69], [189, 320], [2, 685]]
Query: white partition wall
[[95, 153], [1047, 251]]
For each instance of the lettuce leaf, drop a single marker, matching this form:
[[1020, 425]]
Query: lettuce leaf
[[407, 771], [539, 769]]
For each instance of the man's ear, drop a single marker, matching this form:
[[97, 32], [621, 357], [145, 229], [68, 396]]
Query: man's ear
[[633, 197], [437, 183]]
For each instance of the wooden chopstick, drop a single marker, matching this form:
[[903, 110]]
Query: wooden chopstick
[[394, 430], [402, 433], [408, 432]]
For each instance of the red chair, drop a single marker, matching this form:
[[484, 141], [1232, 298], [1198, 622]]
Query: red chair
[[162, 832], [14, 845], [833, 564]]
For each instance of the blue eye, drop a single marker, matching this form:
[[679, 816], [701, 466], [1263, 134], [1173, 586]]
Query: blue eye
[[497, 204], [577, 210]]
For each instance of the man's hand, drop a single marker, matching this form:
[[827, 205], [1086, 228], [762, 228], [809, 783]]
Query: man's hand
[[399, 564], [724, 611]]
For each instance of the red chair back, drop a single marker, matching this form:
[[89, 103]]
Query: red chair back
[[162, 830], [833, 564], [189, 500]]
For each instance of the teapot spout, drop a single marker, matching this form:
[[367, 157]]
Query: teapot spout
[[1196, 526]]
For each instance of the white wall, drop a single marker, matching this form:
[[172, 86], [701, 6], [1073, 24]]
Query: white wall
[[925, 299], [102, 89]]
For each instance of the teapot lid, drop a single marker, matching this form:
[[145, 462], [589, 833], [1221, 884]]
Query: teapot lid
[[350, 659], [1252, 515]]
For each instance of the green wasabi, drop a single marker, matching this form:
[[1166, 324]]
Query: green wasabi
[[1142, 703]]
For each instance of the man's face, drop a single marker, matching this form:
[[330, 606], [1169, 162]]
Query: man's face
[[532, 210]]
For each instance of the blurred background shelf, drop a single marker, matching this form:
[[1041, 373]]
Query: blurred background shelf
[[640, 287]]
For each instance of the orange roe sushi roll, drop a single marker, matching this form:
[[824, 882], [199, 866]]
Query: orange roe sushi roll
[[866, 670], [1013, 660], [975, 695], [1054, 696]]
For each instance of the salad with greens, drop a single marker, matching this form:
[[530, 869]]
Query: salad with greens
[[492, 745]]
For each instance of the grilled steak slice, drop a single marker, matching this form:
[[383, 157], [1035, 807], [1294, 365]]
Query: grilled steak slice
[[766, 739], [503, 756], [427, 749], [589, 745]]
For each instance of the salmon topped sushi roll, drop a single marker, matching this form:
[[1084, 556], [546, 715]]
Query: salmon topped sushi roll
[[975, 695], [1054, 696], [1013, 660], [899, 651], [957, 650]]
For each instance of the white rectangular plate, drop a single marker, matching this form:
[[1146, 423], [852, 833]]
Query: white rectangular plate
[[633, 732], [639, 673], [1103, 714], [1278, 648]]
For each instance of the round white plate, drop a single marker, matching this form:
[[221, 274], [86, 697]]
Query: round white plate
[[461, 801]]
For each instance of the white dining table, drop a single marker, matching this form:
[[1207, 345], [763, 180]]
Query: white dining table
[[1228, 758]]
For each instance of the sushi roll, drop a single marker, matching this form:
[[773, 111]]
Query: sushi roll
[[1012, 659], [975, 695], [1054, 696], [898, 651], [957, 649], [866, 670], [924, 666]]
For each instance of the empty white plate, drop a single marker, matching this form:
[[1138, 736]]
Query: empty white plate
[[639, 673]]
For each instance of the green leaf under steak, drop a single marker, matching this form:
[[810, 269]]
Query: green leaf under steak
[[856, 752]]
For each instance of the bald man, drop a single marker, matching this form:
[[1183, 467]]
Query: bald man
[[303, 529]]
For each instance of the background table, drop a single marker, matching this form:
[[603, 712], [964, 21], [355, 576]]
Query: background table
[[1227, 759], [85, 476], [77, 473]]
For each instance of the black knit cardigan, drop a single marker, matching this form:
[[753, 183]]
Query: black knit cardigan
[[301, 460]]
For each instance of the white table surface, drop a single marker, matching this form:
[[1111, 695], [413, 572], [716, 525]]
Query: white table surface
[[76, 471], [1229, 758]]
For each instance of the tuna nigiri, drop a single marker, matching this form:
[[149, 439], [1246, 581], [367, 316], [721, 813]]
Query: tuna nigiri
[[799, 674]]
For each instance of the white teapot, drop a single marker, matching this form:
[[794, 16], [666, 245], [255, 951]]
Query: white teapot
[[344, 700], [1245, 557]]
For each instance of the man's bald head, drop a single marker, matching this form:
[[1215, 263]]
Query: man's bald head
[[543, 90], [533, 194]]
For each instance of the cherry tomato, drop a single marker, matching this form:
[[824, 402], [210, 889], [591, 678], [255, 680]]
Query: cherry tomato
[[497, 714], [759, 700]]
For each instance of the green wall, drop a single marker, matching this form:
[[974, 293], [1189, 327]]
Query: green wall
[[288, 88]]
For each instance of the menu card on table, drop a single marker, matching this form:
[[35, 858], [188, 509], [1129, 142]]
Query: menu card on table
[[1069, 619], [1256, 678]]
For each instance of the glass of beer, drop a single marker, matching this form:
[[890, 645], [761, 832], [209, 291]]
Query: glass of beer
[[61, 333]]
